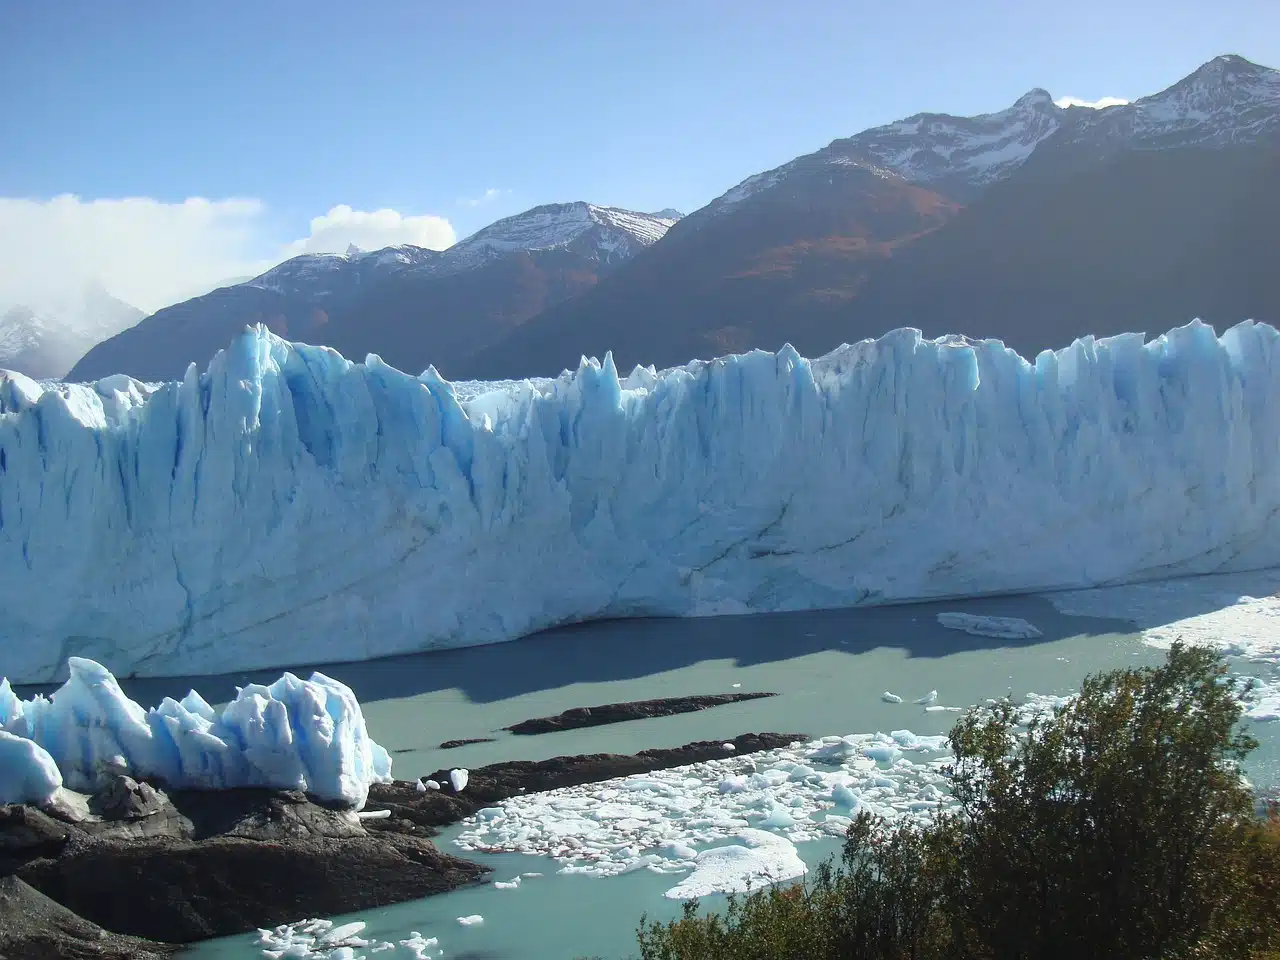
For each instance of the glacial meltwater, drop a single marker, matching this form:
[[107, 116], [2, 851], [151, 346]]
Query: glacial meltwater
[[830, 670]]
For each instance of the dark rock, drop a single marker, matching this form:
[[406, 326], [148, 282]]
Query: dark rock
[[33, 927], [180, 891], [210, 863], [28, 832], [450, 744], [429, 810], [621, 712], [125, 797]]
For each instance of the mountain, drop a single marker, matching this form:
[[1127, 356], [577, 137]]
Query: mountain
[[410, 305], [44, 342], [1037, 224]]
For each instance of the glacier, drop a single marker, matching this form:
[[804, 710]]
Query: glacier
[[291, 506], [292, 735]]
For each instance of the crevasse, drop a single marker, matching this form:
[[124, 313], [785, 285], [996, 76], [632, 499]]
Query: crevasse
[[291, 506]]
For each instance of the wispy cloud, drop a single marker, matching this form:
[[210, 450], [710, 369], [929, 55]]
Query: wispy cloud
[[489, 196], [1091, 104], [342, 226], [151, 253]]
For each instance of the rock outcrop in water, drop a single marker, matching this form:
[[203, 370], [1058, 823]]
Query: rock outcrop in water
[[168, 868], [578, 717]]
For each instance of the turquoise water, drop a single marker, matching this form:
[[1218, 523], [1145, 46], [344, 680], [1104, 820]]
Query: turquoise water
[[829, 669]]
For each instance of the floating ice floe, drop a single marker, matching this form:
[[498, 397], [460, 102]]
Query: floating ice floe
[[1002, 628], [759, 859], [471, 921], [322, 940], [657, 821], [930, 697], [294, 735], [888, 697], [1237, 613]]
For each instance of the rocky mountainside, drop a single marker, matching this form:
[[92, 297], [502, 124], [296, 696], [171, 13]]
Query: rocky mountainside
[[1036, 224], [410, 305]]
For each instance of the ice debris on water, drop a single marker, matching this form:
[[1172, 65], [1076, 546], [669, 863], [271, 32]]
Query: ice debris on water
[[930, 697], [1001, 628], [471, 921], [657, 821], [888, 697], [293, 735]]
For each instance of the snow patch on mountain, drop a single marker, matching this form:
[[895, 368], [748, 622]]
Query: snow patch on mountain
[[605, 233]]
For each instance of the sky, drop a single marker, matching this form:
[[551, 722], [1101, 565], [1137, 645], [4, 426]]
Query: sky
[[162, 147]]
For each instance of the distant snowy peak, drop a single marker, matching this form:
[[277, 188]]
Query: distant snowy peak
[[606, 234], [1228, 100], [930, 147], [321, 273], [44, 341], [926, 148], [21, 329]]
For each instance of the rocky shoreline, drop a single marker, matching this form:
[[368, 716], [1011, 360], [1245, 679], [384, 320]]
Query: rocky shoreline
[[134, 871]]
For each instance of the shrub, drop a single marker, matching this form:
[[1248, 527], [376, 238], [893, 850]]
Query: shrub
[[1118, 826]]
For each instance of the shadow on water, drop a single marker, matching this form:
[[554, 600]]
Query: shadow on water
[[629, 649]]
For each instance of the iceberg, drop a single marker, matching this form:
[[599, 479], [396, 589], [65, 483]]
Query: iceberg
[[288, 505], [292, 735]]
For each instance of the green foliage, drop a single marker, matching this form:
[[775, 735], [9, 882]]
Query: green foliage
[[1118, 826]]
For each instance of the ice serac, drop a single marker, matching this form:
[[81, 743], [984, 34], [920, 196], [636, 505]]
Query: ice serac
[[291, 506], [292, 735]]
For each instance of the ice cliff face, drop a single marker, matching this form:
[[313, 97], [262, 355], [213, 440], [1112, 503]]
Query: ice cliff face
[[292, 735], [289, 505]]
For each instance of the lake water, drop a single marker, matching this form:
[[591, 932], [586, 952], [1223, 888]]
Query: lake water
[[828, 668]]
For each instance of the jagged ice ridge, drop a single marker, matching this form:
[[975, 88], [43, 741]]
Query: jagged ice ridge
[[289, 505], [292, 735]]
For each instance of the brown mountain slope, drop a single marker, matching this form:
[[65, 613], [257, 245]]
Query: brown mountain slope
[[1144, 240], [732, 281]]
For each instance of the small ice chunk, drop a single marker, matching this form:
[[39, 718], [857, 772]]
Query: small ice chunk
[[930, 697], [431, 784], [374, 814], [888, 697], [458, 779], [28, 774], [472, 920], [728, 746], [1002, 628], [420, 786], [760, 857], [512, 884]]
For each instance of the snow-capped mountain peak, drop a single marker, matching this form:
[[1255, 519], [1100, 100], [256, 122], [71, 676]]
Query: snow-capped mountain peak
[[607, 234], [1228, 100], [324, 273]]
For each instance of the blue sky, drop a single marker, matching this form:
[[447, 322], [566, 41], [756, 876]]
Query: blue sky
[[471, 112]]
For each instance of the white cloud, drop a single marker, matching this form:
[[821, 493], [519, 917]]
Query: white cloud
[[341, 226], [1091, 104], [489, 196], [150, 253]]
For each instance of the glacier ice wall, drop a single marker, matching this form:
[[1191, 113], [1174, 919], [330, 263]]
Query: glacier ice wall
[[293, 735], [291, 506]]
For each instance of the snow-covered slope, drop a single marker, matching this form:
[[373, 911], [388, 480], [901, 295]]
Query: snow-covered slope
[[289, 505], [45, 341], [1228, 100], [293, 735], [604, 234]]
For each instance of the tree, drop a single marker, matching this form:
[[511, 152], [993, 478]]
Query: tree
[[1116, 826]]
